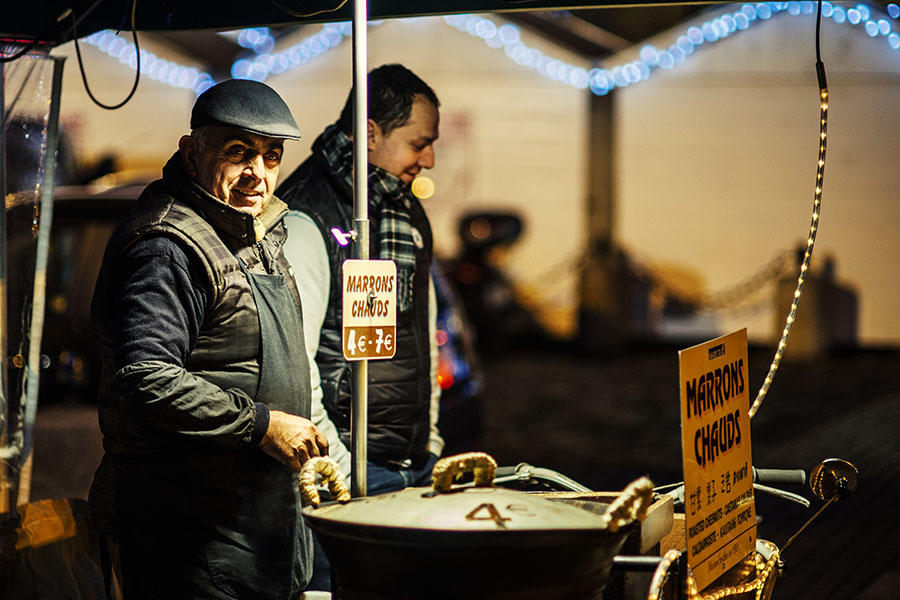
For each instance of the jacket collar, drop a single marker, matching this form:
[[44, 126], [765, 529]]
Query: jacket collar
[[226, 219]]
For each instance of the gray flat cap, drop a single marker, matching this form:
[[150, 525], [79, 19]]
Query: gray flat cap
[[249, 105]]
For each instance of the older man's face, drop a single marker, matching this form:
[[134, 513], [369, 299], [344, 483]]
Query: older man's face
[[237, 167]]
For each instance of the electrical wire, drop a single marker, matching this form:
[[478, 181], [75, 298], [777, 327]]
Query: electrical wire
[[293, 13], [137, 70]]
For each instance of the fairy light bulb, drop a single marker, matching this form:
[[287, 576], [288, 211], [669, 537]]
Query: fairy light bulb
[[804, 266]]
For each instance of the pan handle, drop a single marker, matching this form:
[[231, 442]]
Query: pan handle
[[331, 474], [447, 470], [632, 504]]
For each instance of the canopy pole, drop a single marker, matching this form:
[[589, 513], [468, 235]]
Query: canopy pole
[[39, 293], [359, 416], [5, 475]]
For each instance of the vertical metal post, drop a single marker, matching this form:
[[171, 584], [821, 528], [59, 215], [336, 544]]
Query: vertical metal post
[[604, 321], [4, 404], [39, 293], [359, 416]]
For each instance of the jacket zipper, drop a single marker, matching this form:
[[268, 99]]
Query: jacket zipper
[[263, 258]]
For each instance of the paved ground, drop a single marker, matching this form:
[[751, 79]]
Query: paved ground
[[606, 420]]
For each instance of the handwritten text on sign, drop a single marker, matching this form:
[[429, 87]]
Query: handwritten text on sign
[[719, 510], [370, 309]]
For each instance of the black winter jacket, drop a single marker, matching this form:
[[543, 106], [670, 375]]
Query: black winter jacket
[[180, 342], [399, 388]]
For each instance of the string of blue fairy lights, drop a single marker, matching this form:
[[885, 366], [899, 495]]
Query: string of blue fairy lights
[[261, 60]]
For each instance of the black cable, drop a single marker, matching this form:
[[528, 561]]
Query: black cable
[[820, 66], [818, 28], [294, 13], [137, 71]]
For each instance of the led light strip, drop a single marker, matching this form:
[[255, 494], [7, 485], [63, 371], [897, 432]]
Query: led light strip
[[804, 266], [600, 81]]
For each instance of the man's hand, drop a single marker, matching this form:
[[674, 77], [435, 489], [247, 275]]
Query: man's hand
[[292, 440]]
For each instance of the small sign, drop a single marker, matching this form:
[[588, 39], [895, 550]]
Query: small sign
[[370, 309], [719, 508]]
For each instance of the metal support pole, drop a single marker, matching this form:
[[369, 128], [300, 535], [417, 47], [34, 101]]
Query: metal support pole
[[359, 416], [4, 404], [39, 293], [604, 319]]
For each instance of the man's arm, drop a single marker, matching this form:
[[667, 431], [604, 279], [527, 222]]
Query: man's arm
[[156, 309], [306, 253]]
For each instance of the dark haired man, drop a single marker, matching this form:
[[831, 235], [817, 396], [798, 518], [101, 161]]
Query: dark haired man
[[403, 440], [204, 397]]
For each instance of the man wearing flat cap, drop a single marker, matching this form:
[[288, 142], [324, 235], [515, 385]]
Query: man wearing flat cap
[[205, 397]]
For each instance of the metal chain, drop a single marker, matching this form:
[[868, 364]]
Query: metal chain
[[731, 298]]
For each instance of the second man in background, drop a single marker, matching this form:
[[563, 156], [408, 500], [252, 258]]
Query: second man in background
[[403, 439]]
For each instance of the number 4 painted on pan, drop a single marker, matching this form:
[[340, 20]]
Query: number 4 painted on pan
[[492, 514]]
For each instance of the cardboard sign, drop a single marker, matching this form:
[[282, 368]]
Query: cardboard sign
[[719, 509], [369, 319]]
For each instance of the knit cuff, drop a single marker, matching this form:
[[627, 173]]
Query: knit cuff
[[260, 423]]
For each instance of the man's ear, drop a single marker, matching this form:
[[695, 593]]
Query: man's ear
[[374, 132], [190, 152]]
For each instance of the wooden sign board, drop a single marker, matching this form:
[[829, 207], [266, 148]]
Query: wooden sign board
[[720, 513], [369, 319]]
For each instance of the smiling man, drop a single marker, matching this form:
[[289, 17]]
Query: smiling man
[[402, 128], [237, 167], [205, 397], [403, 439]]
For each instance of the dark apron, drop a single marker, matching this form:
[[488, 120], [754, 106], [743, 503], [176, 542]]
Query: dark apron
[[235, 513]]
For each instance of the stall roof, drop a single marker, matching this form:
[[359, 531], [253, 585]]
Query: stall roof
[[593, 28], [30, 19]]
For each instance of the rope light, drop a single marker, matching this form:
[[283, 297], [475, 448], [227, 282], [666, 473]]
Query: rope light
[[813, 225], [507, 37], [804, 266], [601, 81], [164, 71], [267, 63], [765, 570]]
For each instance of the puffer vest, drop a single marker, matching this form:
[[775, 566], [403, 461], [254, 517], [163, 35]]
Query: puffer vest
[[226, 351], [232, 509], [399, 389]]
